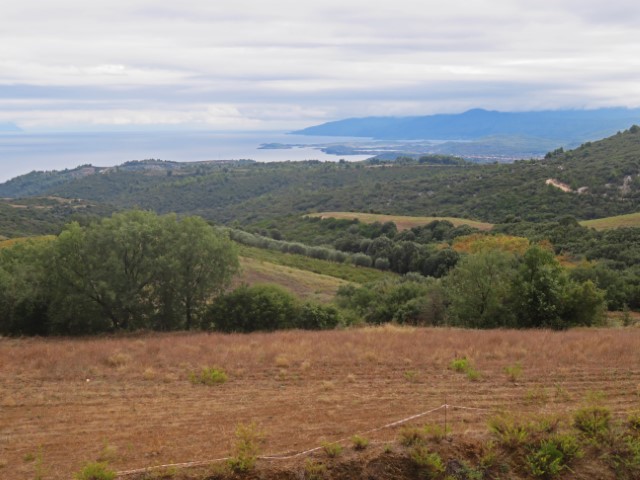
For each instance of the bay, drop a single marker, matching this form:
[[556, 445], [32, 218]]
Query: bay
[[23, 152]]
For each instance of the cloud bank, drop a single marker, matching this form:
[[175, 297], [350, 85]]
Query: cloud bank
[[68, 64]]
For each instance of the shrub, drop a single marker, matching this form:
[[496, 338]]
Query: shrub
[[514, 372], [208, 376], [634, 422], [332, 449], [249, 440], [430, 463], [382, 263], [460, 365], [359, 443], [547, 461], [592, 421], [259, 307], [361, 260], [510, 433], [313, 316], [411, 436], [319, 252], [95, 471], [314, 470]]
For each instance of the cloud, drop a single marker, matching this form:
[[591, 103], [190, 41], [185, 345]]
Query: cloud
[[289, 63]]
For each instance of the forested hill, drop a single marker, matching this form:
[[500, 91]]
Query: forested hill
[[598, 179], [567, 126]]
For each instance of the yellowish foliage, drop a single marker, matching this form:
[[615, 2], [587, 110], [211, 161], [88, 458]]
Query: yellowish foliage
[[477, 243]]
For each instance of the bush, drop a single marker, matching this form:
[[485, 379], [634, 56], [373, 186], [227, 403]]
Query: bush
[[208, 376], [249, 440], [382, 263], [463, 365], [411, 436], [95, 471], [268, 307], [313, 316], [547, 461], [514, 372], [510, 433], [247, 309], [332, 449], [430, 463], [592, 421], [361, 260], [359, 443]]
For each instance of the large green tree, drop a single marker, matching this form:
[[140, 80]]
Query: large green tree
[[479, 288], [138, 270]]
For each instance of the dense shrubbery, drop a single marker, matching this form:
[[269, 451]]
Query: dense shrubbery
[[485, 290], [411, 299], [267, 307]]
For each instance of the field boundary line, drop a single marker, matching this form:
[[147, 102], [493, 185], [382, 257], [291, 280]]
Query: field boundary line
[[288, 455]]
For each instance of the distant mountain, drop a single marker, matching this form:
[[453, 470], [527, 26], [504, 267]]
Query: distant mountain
[[565, 126], [9, 127]]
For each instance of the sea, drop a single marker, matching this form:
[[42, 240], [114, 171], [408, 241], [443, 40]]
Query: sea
[[23, 152]]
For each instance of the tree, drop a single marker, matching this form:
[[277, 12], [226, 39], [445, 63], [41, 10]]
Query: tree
[[24, 292], [197, 265], [138, 270], [478, 289], [538, 289]]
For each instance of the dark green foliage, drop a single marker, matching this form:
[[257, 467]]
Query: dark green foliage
[[312, 316], [479, 290], [259, 307], [267, 308], [44, 216], [484, 290], [129, 271], [411, 299], [254, 192]]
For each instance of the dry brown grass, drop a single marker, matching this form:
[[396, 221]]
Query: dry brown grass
[[130, 398]]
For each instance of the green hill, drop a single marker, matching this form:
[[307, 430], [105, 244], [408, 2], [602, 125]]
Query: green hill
[[598, 179]]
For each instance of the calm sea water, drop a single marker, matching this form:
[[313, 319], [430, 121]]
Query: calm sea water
[[21, 153]]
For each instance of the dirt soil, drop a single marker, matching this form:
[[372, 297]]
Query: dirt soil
[[129, 400]]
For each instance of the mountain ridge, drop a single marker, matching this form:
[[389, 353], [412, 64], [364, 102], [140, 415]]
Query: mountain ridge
[[561, 125]]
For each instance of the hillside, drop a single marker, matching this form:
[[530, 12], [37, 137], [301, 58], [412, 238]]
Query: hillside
[[44, 215], [564, 125], [602, 180]]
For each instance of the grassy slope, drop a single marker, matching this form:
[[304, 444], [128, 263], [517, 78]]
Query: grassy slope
[[402, 222], [629, 220], [343, 271], [303, 283]]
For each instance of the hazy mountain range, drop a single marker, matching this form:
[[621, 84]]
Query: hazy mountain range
[[563, 126]]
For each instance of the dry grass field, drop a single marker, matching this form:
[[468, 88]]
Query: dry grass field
[[129, 400], [401, 221]]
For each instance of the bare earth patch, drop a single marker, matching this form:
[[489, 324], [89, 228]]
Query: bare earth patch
[[129, 400]]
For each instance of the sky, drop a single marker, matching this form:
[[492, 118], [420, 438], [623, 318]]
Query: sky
[[278, 65]]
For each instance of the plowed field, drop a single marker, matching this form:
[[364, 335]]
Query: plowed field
[[129, 401]]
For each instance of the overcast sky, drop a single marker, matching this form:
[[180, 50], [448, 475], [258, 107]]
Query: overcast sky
[[279, 64]]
